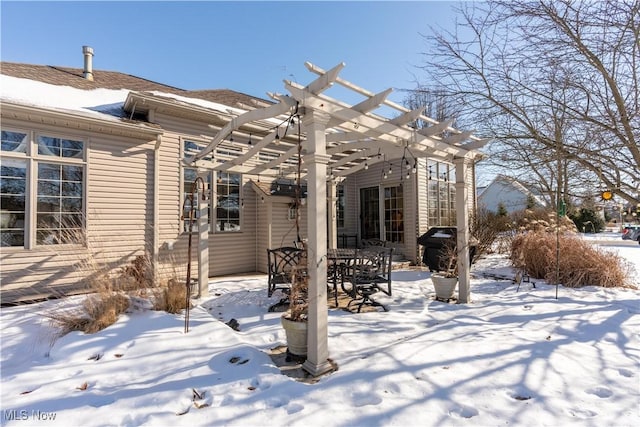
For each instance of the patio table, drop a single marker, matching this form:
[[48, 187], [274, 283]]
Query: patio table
[[337, 259]]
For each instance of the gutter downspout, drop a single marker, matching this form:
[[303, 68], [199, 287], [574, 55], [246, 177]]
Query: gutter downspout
[[156, 209]]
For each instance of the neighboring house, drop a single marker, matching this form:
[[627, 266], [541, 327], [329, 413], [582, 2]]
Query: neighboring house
[[508, 192], [99, 154]]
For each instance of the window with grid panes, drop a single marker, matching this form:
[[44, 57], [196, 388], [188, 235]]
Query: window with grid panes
[[228, 202], [394, 214], [13, 189], [49, 172], [441, 193], [226, 195]]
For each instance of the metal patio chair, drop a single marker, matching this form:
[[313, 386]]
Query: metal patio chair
[[368, 274], [281, 262]]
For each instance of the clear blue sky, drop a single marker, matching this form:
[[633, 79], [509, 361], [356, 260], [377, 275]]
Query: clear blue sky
[[249, 47]]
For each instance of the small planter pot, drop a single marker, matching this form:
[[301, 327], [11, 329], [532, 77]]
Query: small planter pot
[[444, 286], [296, 336]]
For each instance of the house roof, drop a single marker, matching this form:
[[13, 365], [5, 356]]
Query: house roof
[[504, 181], [73, 77], [517, 184]]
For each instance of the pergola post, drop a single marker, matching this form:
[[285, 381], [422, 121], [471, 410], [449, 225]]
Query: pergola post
[[203, 239], [316, 161], [462, 223]]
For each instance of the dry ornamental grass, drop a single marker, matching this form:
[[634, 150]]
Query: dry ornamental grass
[[171, 299], [96, 313], [111, 290], [580, 263]]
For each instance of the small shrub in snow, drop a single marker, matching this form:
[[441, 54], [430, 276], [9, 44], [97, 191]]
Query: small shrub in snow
[[95, 313], [172, 298], [489, 228]]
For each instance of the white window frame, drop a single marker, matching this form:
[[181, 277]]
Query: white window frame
[[212, 193], [442, 176], [33, 159], [214, 221]]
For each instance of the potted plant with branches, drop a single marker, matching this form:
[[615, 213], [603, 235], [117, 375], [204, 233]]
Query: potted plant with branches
[[294, 320], [446, 278]]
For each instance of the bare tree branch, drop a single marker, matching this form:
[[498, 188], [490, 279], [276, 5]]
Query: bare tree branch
[[555, 83]]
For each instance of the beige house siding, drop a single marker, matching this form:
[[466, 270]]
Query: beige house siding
[[233, 252], [118, 193], [172, 256], [422, 223], [229, 252], [120, 197], [275, 229], [350, 208], [263, 234]]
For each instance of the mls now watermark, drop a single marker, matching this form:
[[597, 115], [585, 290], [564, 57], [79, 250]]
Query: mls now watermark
[[24, 415]]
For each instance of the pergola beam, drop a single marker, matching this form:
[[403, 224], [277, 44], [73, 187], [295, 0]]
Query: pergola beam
[[356, 145], [317, 70], [364, 107], [458, 138], [408, 117], [343, 136], [436, 129], [476, 144], [259, 145], [326, 80], [275, 162], [286, 104], [366, 153]]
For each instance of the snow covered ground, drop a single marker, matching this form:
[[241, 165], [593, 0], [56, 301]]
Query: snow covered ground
[[512, 357]]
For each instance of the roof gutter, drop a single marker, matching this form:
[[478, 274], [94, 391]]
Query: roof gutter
[[10, 108], [143, 102]]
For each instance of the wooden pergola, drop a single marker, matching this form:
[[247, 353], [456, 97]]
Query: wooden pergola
[[338, 139]]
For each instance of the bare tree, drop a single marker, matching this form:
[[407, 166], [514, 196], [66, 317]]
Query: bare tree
[[555, 83], [435, 103]]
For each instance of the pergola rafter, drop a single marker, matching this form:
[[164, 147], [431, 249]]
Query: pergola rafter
[[337, 140], [258, 145], [286, 104], [360, 109], [436, 129]]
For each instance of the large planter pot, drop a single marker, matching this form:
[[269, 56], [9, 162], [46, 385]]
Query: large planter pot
[[296, 336], [444, 286]]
